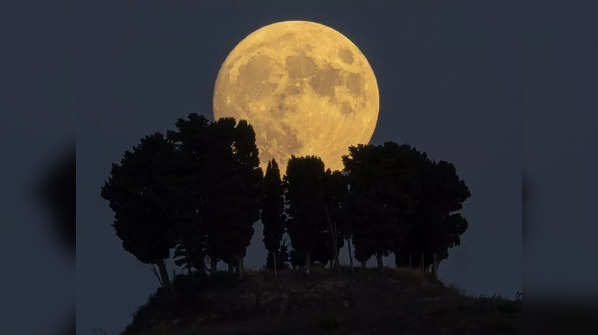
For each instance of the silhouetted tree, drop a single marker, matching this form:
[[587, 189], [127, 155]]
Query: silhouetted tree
[[192, 139], [272, 212], [335, 191], [403, 202], [226, 194], [282, 258], [383, 193], [437, 225], [191, 249], [238, 191], [305, 196], [346, 219], [144, 210], [324, 252], [320, 254]]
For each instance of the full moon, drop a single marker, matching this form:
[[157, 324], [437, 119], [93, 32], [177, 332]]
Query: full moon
[[304, 87]]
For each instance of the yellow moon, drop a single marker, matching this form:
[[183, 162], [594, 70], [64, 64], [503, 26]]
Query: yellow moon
[[304, 87]]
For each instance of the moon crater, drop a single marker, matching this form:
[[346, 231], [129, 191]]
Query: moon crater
[[345, 55]]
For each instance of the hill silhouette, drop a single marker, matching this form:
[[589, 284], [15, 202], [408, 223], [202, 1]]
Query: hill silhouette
[[367, 301], [198, 190]]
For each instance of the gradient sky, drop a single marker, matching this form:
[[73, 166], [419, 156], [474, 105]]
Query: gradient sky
[[450, 84]]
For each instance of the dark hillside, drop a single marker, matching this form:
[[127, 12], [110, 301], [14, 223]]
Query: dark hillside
[[397, 301]]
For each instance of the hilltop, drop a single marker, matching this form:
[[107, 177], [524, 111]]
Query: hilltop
[[395, 301]]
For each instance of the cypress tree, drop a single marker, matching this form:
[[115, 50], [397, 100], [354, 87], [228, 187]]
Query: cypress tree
[[272, 213]]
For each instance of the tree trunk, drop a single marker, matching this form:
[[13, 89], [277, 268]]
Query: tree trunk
[[164, 280], [202, 267], [308, 263], [213, 265], [435, 266], [240, 267], [334, 238], [380, 261], [336, 256], [274, 257], [362, 265], [350, 253]]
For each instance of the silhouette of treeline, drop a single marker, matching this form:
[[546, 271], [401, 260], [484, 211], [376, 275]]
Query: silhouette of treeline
[[199, 190]]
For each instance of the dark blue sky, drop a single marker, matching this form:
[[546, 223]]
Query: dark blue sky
[[462, 81], [449, 81]]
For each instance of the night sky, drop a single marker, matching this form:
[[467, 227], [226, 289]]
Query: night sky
[[450, 81], [497, 88]]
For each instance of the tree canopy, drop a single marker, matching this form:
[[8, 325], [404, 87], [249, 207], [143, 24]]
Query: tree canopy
[[403, 202], [304, 184], [199, 190], [138, 191], [223, 165], [437, 225]]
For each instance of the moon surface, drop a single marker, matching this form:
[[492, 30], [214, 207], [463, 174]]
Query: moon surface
[[304, 87]]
